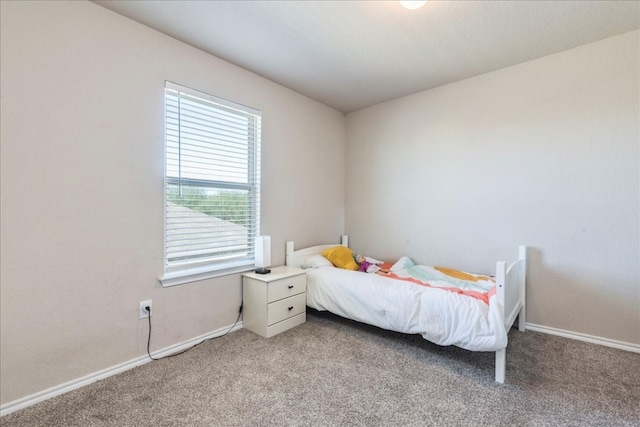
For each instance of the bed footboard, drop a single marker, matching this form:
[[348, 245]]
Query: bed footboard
[[511, 291]]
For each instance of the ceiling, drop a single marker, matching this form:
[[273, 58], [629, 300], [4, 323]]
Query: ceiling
[[354, 54]]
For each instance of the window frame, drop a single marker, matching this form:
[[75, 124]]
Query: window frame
[[185, 271]]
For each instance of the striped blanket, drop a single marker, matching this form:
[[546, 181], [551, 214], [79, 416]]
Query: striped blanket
[[457, 281]]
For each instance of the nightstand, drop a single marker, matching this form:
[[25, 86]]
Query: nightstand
[[274, 302]]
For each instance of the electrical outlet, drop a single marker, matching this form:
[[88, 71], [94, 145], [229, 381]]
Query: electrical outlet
[[143, 312]]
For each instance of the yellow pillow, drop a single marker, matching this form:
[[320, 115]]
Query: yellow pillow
[[341, 257]]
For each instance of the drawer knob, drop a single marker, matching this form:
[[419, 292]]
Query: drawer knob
[[290, 308], [290, 286]]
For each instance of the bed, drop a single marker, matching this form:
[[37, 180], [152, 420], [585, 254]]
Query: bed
[[476, 318]]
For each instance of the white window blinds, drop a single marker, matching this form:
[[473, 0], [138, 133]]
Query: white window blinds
[[212, 177]]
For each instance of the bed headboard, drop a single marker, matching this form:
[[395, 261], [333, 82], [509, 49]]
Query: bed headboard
[[295, 257]]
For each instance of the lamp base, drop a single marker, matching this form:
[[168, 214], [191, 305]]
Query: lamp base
[[262, 270]]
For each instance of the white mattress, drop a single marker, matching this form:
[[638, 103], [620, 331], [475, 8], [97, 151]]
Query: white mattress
[[440, 316]]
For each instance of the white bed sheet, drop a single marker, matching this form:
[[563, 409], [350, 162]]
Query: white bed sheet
[[442, 317]]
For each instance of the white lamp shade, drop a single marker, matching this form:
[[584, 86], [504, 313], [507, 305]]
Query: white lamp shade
[[263, 251]]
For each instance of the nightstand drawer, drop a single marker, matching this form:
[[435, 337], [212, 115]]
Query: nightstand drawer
[[289, 323], [287, 287], [289, 307]]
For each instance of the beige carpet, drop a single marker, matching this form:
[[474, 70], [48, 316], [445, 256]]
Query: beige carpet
[[334, 372]]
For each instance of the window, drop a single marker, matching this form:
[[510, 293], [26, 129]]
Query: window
[[212, 185]]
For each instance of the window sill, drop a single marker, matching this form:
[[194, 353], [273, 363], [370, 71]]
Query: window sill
[[203, 273]]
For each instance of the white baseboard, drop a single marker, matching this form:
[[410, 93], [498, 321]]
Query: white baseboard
[[584, 337], [105, 373]]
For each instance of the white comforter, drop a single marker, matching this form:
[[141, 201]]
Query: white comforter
[[442, 317]]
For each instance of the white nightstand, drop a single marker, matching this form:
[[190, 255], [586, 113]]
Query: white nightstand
[[274, 302]]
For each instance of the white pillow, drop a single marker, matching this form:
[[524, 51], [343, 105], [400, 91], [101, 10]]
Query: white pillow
[[315, 261]]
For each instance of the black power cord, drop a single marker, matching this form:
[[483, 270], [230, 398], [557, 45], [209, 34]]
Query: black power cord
[[148, 310]]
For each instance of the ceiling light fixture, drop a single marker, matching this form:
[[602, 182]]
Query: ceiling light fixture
[[412, 5]]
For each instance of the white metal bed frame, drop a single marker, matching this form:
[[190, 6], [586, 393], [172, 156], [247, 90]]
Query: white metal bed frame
[[510, 290]]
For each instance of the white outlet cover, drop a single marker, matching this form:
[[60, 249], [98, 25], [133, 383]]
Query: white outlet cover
[[142, 312]]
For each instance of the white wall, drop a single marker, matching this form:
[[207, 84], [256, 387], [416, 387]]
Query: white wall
[[545, 153], [82, 189]]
